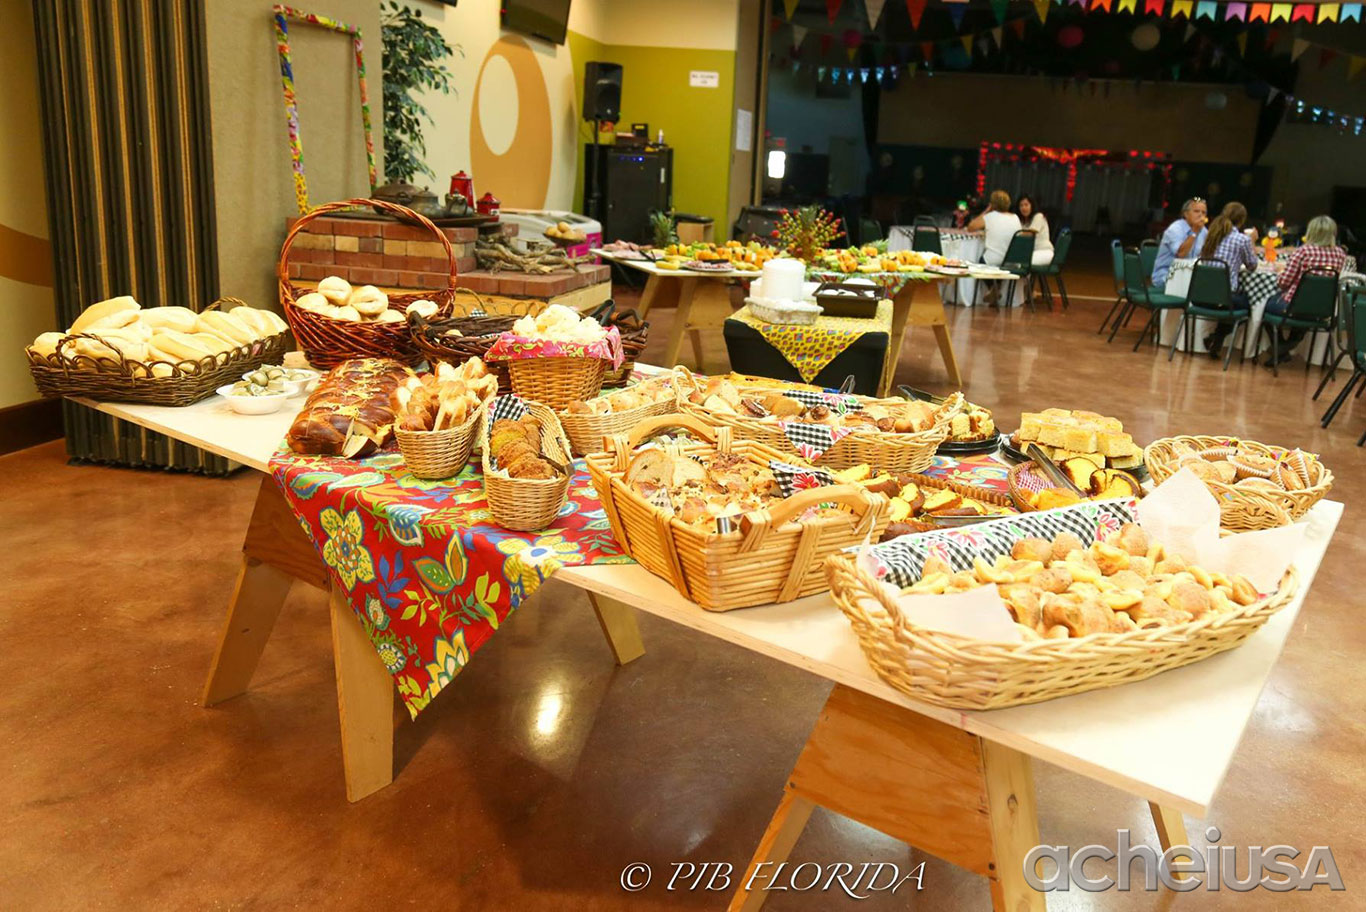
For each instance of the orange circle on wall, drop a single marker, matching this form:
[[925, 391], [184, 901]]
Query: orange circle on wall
[[520, 176]]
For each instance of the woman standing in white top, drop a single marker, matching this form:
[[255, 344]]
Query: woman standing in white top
[[1032, 220], [999, 225]]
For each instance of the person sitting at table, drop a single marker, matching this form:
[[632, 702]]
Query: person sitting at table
[[1227, 241], [998, 225], [1320, 250], [1183, 239], [1031, 219]]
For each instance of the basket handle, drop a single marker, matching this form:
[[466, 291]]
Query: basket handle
[[402, 212], [756, 526], [621, 446], [70, 361]]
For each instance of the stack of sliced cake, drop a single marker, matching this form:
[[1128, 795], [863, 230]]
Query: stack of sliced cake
[[1066, 433]]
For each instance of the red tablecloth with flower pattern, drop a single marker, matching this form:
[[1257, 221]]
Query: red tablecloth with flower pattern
[[429, 573]]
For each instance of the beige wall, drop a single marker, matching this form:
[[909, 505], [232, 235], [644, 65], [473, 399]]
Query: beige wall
[[26, 307], [1162, 117], [253, 182]]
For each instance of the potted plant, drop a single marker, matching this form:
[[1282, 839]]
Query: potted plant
[[414, 52]]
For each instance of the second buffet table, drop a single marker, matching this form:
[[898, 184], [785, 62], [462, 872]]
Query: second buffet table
[[956, 784]]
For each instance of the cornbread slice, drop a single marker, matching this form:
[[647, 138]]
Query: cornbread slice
[[1111, 443], [1053, 433], [1080, 439]]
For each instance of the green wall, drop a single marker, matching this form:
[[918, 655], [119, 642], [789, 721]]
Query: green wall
[[697, 123]]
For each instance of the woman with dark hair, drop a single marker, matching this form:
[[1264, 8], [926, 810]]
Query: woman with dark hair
[[1228, 242], [1031, 219]]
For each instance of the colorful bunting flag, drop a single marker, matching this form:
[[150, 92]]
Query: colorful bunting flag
[[1328, 12], [999, 7], [1355, 66], [1272, 36], [826, 40], [996, 36], [1182, 8], [958, 11], [1260, 11], [851, 53], [1326, 56], [1303, 12], [916, 9], [1041, 9], [1351, 12], [1101, 5], [1298, 47], [1018, 27], [967, 43], [832, 9], [874, 10], [1280, 12], [1242, 44], [911, 68], [1190, 33], [927, 51], [1236, 11], [1206, 9], [799, 33], [790, 7], [1152, 6], [1127, 6]]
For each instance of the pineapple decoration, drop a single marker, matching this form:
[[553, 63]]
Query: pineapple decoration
[[662, 232], [806, 232]]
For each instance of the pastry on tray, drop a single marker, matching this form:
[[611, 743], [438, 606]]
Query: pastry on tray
[[647, 393], [1244, 467], [1059, 589], [1066, 433], [916, 502], [721, 396], [972, 424]]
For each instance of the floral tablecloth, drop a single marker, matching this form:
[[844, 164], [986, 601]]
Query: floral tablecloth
[[426, 569], [809, 348]]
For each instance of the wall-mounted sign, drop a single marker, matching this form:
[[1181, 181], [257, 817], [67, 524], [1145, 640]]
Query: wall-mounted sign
[[704, 79]]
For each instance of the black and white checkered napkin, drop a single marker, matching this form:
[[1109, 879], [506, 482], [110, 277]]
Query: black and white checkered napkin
[[509, 407], [811, 440], [793, 478], [834, 401], [900, 560]]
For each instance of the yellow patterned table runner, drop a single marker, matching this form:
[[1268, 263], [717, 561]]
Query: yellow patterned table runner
[[810, 348]]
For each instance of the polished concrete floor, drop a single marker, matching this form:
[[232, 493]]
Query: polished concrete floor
[[536, 779]]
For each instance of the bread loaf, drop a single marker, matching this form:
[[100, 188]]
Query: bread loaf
[[178, 318], [105, 310], [351, 413], [226, 326], [46, 343], [180, 346], [335, 289]]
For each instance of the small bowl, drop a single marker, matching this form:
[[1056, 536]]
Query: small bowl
[[252, 405], [295, 387]]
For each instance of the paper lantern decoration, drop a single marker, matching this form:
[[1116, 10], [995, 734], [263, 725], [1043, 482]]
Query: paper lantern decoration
[[1146, 37], [1070, 36]]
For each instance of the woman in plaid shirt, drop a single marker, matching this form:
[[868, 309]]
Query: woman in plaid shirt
[[1226, 241], [1319, 251]]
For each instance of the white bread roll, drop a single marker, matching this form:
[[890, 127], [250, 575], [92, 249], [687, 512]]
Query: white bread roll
[[214, 343], [369, 301], [335, 289], [315, 303], [180, 346], [389, 316], [346, 313], [103, 309], [423, 308], [118, 320], [225, 325], [275, 323], [178, 318], [253, 319]]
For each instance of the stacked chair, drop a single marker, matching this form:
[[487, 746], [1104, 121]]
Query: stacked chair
[[1356, 350]]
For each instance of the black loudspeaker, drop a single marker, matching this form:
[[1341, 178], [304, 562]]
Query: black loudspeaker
[[625, 187], [601, 91]]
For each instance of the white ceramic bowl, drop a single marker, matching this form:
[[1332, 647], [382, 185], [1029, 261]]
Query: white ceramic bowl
[[252, 405], [296, 387]]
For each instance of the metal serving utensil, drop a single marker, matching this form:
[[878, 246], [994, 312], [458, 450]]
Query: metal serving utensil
[[1053, 471]]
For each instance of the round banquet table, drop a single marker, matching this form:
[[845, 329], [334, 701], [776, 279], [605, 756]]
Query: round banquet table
[[956, 244], [1259, 286]]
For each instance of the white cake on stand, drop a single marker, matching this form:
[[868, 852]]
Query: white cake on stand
[[782, 294]]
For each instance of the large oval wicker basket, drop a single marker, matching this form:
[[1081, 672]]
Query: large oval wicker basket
[[328, 342], [587, 432], [1242, 508], [884, 451], [951, 670]]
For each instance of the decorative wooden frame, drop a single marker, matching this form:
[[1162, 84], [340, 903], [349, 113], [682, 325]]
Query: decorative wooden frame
[[282, 15]]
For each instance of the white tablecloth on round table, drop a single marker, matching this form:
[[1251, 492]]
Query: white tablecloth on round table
[[956, 244], [1259, 287]]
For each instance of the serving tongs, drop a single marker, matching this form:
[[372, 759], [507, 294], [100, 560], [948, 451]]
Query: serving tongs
[[910, 392], [1052, 471], [953, 522]]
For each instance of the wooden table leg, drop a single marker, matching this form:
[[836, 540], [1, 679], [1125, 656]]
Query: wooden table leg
[[1171, 830], [934, 786], [703, 303], [275, 552], [783, 831], [658, 290], [365, 702], [618, 621], [918, 304], [685, 288]]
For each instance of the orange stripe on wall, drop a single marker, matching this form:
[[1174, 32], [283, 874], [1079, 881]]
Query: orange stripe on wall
[[25, 258]]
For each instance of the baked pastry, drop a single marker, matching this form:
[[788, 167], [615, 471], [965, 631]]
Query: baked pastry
[[1066, 434], [351, 412], [444, 399]]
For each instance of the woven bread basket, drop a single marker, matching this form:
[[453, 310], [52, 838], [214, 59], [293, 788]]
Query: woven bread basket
[[769, 558], [105, 379], [587, 432], [556, 382], [328, 342], [885, 451], [1243, 508], [528, 504], [443, 453], [951, 670]]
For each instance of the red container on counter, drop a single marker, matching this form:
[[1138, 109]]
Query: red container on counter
[[489, 205], [463, 184]]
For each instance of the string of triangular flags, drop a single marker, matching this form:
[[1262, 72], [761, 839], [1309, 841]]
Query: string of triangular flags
[[1217, 10]]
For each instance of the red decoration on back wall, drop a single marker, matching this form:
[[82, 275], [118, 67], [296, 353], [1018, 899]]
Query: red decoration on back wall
[[916, 9], [832, 9]]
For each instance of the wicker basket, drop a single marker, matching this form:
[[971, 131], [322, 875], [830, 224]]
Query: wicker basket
[[587, 432], [769, 559], [963, 673], [884, 451], [105, 380], [477, 335], [1025, 479], [634, 333], [443, 453], [328, 342], [528, 504], [1243, 509], [556, 382]]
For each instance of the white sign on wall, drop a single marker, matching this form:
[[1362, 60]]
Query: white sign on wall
[[704, 79]]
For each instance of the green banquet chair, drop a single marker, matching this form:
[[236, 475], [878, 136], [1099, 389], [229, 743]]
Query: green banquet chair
[[1210, 298], [1147, 255], [1121, 299], [1342, 335], [1043, 270], [1314, 308], [925, 238], [1356, 350], [1140, 295], [1018, 260]]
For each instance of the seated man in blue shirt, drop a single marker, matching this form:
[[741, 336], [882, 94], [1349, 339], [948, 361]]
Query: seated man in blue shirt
[[1182, 239]]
